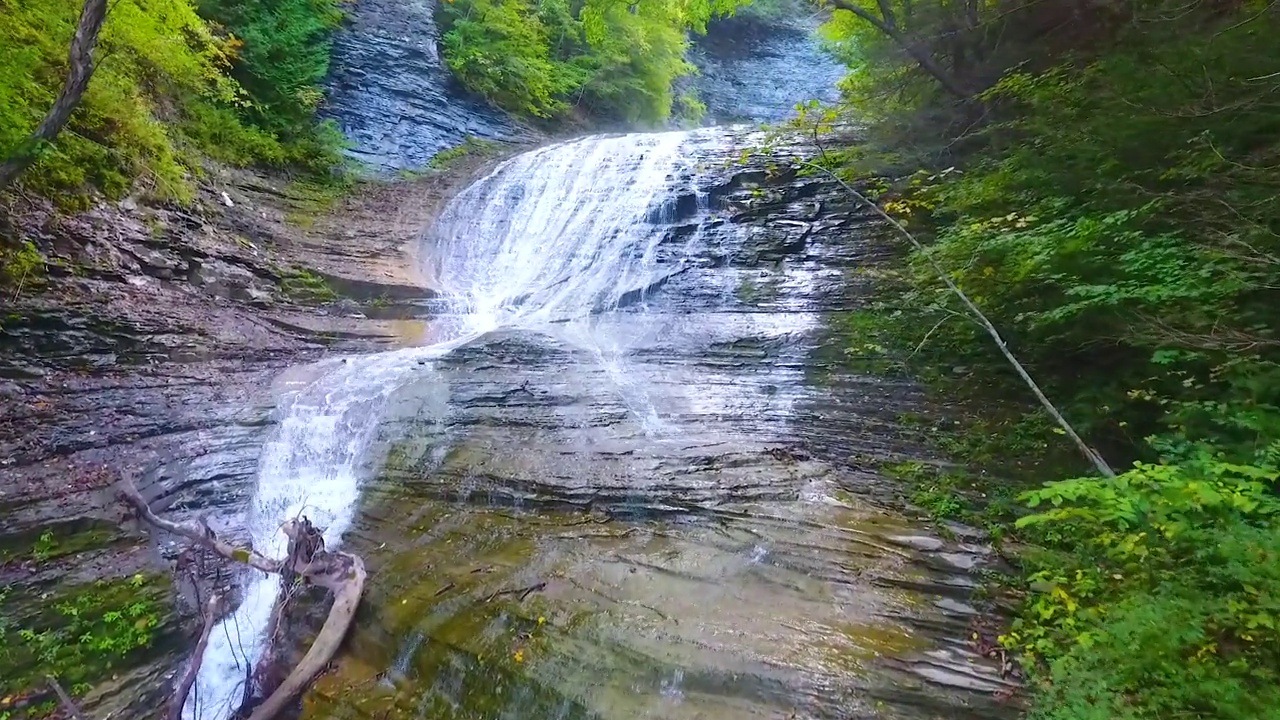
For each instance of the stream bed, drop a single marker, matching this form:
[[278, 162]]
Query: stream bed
[[626, 474]]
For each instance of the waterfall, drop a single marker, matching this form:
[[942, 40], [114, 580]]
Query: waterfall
[[551, 236]]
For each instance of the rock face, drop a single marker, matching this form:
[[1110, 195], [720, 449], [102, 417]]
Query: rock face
[[399, 104], [392, 94], [668, 508], [755, 69]]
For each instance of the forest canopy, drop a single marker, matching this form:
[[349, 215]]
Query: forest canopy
[[235, 80], [603, 59]]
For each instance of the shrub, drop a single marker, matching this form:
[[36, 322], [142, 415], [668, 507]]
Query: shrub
[[546, 58], [163, 96]]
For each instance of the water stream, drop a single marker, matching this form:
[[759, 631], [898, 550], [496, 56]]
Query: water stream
[[577, 500]]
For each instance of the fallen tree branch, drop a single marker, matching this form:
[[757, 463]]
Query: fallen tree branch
[[345, 601], [199, 534], [1089, 453], [341, 573], [211, 612], [69, 705]]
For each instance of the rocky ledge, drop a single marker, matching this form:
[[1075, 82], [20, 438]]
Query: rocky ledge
[[148, 347]]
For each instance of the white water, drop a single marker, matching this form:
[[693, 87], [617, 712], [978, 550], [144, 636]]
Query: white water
[[552, 235]]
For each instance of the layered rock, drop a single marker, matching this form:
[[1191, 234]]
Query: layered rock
[[392, 94], [754, 68]]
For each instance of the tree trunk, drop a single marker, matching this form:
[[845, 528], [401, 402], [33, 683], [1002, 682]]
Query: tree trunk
[[80, 58], [889, 26]]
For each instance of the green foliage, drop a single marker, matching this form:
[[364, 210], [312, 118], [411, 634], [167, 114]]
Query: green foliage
[[163, 95], [502, 50], [550, 58], [80, 636], [469, 147], [21, 267], [1164, 597], [1108, 201], [115, 135], [44, 547], [281, 56], [305, 285]]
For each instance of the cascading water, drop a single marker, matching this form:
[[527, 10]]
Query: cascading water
[[552, 236]]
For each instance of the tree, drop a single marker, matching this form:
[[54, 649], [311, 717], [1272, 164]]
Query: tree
[[886, 21], [80, 60]]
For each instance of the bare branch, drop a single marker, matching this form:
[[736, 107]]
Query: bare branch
[[1089, 453], [345, 601], [211, 612], [341, 573], [68, 704], [928, 335], [200, 534]]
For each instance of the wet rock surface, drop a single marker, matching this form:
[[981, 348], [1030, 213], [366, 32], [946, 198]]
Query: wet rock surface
[[671, 510], [756, 68], [150, 350], [667, 510], [399, 104], [392, 94]]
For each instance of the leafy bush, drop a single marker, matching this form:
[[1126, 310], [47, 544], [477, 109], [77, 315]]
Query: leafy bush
[[21, 266], [1108, 201], [548, 58], [163, 96], [1164, 597]]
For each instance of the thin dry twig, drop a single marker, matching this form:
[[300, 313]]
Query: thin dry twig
[[211, 612]]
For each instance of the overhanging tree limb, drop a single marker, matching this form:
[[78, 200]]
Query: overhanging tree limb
[[888, 25], [1089, 453], [80, 59]]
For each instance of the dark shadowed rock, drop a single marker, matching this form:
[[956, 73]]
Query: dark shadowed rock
[[229, 281], [757, 69], [392, 94]]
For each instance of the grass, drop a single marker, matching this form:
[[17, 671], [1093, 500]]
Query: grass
[[307, 286]]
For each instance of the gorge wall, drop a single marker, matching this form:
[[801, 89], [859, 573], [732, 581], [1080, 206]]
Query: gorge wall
[[392, 95], [756, 68], [398, 103]]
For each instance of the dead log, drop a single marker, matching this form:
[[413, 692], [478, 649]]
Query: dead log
[[341, 573]]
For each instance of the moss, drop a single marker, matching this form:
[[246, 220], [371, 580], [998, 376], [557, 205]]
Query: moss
[[22, 268], [311, 199], [469, 147], [80, 634], [53, 542], [304, 285]]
